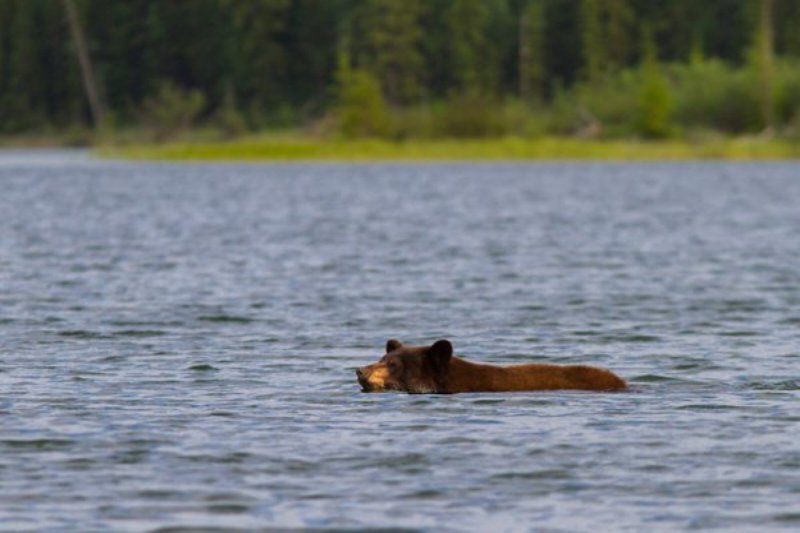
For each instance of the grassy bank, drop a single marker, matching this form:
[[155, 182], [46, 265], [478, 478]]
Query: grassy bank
[[270, 148]]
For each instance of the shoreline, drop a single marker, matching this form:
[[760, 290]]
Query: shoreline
[[495, 149], [288, 148]]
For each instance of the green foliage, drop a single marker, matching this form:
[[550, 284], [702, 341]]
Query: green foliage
[[523, 119], [655, 98], [391, 34], [532, 67], [362, 111], [441, 67], [787, 93], [230, 122], [471, 115], [606, 30], [468, 35], [607, 106], [565, 114], [25, 101], [655, 105], [414, 122], [713, 95], [593, 51], [172, 110], [762, 59], [228, 119], [258, 62]]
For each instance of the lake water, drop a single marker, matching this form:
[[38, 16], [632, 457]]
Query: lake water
[[177, 345]]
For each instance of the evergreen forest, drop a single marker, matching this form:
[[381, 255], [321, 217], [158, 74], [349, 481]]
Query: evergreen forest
[[401, 69]]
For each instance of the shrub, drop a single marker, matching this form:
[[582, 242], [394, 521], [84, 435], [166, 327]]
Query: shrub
[[362, 110], [230, 122], [228, 119], [413, 122], [470, 115], [655, 103], [711, 94], [172, 110], [565, 115], [787, 93], [521, 119], [608, 104]]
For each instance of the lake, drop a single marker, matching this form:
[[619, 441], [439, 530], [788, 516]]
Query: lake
[[177, 345]]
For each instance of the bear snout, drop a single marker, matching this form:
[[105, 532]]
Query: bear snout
[[362, 379]]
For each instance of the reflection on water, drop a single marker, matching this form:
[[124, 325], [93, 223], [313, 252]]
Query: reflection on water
[[177, 344]]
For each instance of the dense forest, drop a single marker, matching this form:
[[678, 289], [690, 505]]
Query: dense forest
[[400, 68]]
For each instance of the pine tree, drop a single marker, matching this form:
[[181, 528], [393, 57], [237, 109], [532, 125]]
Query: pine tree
[[764, 58], [6, 18], [261, 63], [391, 39], [312, 34], [531, 50], [606, 27], [655, 100], [619, 27], [594, 47], [467, 22], [786, 21], [25, 102]]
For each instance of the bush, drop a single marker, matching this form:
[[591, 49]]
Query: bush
[[565, 115], [172, 110], [227, 119], [787, 93], [361, 109], [470, 115], [230, 122], [413, 122], [701, 96], [650, 101], [711, 94], [523, 120], [655, 103], [607, 105]]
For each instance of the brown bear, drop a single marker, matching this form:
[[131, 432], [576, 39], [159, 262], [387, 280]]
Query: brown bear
[[434, 369]]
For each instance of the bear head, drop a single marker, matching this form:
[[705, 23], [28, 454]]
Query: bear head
[[412, 369]]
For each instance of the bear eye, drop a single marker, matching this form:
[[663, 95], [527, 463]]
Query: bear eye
[[393, 364]]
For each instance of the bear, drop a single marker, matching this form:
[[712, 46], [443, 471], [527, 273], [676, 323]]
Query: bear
[[435, 370]]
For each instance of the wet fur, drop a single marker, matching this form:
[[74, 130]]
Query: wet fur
[[434, 369]]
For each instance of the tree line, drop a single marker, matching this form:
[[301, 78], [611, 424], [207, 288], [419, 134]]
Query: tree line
[[254, 64]]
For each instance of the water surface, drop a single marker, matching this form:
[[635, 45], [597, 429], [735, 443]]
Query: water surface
[[177, 344]]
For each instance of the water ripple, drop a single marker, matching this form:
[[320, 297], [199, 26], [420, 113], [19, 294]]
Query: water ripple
[[178, 345]]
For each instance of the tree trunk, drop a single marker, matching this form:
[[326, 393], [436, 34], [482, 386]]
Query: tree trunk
[[524, 56], [767, 53], [95, 105]]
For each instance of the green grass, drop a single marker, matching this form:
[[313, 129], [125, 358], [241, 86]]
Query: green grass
[[270, 148]]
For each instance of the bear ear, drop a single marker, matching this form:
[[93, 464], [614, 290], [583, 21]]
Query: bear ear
[[439, 355], [392, 345]]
